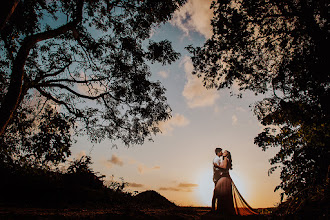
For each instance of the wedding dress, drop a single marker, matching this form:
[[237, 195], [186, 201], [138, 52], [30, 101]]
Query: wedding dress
[[230, 201]]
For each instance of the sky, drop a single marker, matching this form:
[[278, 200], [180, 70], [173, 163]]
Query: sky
[[178, 163]]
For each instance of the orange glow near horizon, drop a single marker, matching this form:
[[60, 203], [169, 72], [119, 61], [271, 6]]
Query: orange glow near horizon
[[202, 195], [205, 187]]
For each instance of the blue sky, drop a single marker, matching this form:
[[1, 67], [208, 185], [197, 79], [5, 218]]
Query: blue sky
[[178, 163]]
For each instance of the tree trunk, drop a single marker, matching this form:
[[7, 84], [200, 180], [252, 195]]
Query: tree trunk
[[13, 96], [7, 9]]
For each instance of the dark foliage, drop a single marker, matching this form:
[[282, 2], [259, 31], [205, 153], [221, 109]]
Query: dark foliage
[[278, 48], [37, 187], [37, 137], [76, 67], [77, 186], [90, 58]]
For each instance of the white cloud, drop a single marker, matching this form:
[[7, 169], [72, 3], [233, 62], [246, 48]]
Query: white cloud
[[177, 120], [234, 119], [194, 92], [163, 74], [195, 15]]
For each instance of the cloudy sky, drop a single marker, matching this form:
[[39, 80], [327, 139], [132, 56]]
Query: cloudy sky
[[178, 164]]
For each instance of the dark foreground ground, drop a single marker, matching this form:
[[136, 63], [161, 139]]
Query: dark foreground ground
[[124, 213]]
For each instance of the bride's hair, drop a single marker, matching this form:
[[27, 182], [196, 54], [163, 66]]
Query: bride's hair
[[230, 160]]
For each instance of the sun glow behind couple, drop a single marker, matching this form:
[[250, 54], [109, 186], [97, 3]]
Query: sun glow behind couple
[[205, 187]]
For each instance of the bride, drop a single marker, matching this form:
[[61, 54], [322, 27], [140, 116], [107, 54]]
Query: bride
[[230, 201]]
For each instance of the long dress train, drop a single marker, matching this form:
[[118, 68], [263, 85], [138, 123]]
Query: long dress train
[[240, 205], [230, 201]]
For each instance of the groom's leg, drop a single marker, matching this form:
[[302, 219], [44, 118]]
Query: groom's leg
[[213, 202], [214, 198]]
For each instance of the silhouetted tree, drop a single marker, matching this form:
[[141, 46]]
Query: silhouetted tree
[[90, 58], [38, 137], [279, 48], [81, 174]]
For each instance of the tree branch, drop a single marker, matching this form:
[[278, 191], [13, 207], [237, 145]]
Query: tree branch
[[8, 8], [43, 76], [49, 96], [13, 97], [74, 80], [58, 85]]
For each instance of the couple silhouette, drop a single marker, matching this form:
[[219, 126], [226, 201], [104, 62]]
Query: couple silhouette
[[226, 198]]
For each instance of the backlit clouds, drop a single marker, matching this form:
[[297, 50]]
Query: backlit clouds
[[118, 161], [169, 189], [194, 92], [195, 15], [135, 185], [143, 168], [177, 120], [183, 187], [187, 185], [114, 160]]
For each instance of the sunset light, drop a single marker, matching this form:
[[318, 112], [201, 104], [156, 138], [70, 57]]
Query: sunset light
[[157, 109], [205, 188]]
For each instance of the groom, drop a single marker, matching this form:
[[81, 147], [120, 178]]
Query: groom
[[216, 173]]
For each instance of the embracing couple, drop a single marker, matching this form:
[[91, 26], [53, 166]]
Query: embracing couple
[[226, 198]]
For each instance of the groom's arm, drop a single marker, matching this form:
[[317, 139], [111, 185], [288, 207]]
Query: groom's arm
[[216, 165]]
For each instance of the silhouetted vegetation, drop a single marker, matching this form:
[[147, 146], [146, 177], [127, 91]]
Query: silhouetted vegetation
[[66, 53], [55, 57], [281, 49], [72, 52], [76, 68], [155, 200], [38, 136], [76, 186]]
